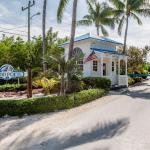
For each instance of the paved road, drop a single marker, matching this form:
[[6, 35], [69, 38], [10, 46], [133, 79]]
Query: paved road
[[115, 122]]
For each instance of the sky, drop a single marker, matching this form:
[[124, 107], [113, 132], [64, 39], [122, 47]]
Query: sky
[[11, 17]]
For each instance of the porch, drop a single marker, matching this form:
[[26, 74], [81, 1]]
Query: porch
[[110, 66]]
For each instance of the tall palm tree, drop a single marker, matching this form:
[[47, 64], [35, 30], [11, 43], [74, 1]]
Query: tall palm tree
[[126, 9], [60, 12], [100, 14], [44, 34]]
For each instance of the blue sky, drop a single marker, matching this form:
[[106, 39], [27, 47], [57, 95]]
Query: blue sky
[[11, 16]]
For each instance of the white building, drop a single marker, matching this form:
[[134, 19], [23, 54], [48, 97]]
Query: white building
[[110, 63]]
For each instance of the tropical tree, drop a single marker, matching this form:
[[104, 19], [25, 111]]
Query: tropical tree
[[60, 12], [99, 14], [126, 9], [63, 67]]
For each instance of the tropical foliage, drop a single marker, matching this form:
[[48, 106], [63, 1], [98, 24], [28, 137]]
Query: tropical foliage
[[100, 14], [126, 9]]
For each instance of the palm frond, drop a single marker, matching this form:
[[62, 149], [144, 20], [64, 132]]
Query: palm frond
[[118, 4], [121, 23], [84, 22], [136, 18], [104, 31], [61, 8]]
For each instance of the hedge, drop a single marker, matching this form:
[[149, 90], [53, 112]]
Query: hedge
[[12, 87], [97, 82], [48, 104]]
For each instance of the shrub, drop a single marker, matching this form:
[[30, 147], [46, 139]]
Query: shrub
[[97, 82], [48, 104], [46, 84], [137, 79], [131, 81], [12, 87]]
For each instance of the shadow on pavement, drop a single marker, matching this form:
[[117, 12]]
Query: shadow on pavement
[[99, 132], [143, 94]]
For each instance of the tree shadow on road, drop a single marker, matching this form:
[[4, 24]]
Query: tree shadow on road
[[143, 94], [102, 131]]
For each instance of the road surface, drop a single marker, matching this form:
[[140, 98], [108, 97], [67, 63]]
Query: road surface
[[115, 122]]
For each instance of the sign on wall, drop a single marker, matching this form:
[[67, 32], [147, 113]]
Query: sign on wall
[[7, 72]]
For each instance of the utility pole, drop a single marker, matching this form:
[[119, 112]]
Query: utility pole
[[29, 78]]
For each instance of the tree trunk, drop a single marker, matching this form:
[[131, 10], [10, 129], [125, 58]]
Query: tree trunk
[[71, 46], [126, 34], [29, 85], [62, 87], [97, 28], [73, 28], [44, 35]]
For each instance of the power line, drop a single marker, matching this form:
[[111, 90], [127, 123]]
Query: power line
[[13, 29], [13, 33]]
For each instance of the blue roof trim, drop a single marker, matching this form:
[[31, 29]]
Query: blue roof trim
[[88, 36], [107, 51]]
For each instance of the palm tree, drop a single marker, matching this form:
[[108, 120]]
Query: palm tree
[[44, 34], [61, 8], [63, 68], [100, 14], [126, 9], [60, 12]]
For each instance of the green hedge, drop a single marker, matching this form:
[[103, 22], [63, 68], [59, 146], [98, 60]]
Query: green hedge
[[12, 87], [97, 82], [48, 104]]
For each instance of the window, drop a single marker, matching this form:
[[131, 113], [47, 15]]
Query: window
[[80, 64], [78, 54], [113, 66], [117, 67], [95, 65], [104, 69]]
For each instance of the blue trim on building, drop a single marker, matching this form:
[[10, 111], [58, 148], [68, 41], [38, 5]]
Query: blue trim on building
[[88, 36], [107, 51]]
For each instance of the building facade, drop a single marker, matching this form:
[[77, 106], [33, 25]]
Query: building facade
[[110, 63]]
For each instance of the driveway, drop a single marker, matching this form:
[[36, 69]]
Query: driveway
[[115, 122]]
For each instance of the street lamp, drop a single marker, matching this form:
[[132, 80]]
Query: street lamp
[[37, 14]]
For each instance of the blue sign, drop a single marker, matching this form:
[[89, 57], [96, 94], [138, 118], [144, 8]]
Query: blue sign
[[7, 72]]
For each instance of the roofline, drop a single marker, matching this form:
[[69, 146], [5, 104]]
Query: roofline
[[118, 43], [107, 51]]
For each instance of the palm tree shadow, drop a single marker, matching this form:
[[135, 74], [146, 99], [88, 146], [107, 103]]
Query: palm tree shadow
[[100, 131], [140, 94]]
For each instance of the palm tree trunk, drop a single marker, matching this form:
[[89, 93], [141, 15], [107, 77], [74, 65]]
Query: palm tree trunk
[[73, 28], [71, 46], [62, 87], [29, 85], [126, 33], [97, 28], [44, 35]]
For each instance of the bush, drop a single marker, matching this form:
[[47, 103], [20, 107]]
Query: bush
[[131, 81], [48, 104], [137, 79], [12, 87], [48, 85], [97, 82]]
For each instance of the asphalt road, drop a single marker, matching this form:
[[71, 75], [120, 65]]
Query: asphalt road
[[115, 122]]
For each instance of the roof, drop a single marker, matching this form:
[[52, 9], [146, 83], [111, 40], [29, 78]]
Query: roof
[[107, 51], [90, 36]]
